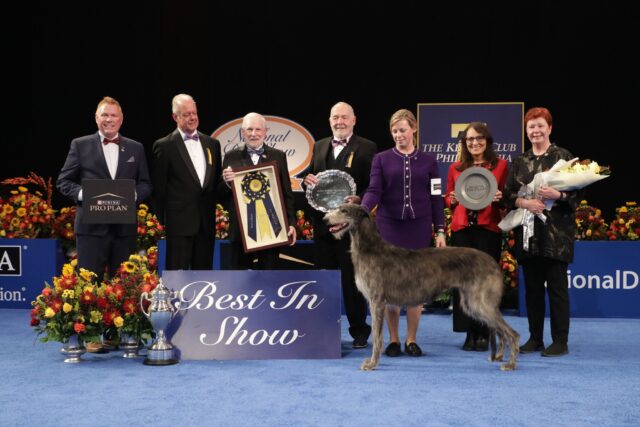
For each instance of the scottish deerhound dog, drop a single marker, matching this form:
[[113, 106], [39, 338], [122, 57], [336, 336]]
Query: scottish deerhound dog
[[387, 274]]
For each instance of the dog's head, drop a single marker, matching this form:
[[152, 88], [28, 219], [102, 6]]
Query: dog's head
[[344, 218]]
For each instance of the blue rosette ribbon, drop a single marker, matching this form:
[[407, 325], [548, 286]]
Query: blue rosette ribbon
[[261, 214]]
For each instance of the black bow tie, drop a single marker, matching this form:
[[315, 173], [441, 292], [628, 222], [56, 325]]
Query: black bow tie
[[258, 151], [339, 143]]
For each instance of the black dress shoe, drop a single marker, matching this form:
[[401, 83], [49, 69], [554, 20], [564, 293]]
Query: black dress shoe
[[469, 343], [412, 349], [482, 344], [531, 346], [556, 349], [393, 350], [360, 342]]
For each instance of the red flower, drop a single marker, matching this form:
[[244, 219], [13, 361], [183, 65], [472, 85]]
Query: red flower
[[79, 327], [34, 321], [87, 297], [46, 292], [130, 306]]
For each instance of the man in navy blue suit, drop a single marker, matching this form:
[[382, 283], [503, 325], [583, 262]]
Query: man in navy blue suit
[[104, 155]]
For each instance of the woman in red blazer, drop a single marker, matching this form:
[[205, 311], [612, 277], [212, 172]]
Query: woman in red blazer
[[475, 229]]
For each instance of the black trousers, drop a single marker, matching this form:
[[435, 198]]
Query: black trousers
[[97, 253], [489, 242], [266, 259], [537, 271], [190, 252], [332, 254]]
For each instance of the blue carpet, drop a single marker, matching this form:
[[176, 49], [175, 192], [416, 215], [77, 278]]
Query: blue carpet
[[597, 384]]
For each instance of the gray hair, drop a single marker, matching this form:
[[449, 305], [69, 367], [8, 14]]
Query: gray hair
[[179, 100]]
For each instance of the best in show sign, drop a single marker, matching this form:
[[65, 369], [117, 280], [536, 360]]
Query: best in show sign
[[439, 125], [255, 314], [283, 134]]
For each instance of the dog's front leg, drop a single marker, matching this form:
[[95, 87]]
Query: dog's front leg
[[377, 320]]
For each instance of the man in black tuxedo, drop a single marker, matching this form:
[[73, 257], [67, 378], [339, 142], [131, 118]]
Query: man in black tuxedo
[[254, 152], [186, 173], [104, 155], [352, 154]]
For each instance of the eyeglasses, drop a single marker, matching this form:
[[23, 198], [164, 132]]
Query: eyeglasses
[[479, 138]]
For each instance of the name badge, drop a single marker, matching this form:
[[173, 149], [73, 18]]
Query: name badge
[[436, 186]]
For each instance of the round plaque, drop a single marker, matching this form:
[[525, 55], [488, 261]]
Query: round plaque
[[332, 187], [475, 188]]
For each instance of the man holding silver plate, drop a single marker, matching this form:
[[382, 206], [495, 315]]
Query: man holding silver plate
[[335, 160]]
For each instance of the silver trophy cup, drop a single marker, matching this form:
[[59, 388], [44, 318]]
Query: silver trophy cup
[[160, 313]]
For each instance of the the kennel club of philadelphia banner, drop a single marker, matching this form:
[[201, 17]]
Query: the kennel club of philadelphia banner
[[440, 124], [604, 280], [255, 314]]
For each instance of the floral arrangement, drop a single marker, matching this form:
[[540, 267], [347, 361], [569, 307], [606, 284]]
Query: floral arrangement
[[149, 229], [626, 225], [589, 223], [304, 228], [509, 267], [63, 229], [26, 214], [122, 308], [222, 222], [71, 306]]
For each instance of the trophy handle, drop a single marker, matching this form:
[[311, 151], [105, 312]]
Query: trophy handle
[[144, 296]]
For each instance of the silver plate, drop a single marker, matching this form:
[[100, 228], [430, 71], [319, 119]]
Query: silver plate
[[332, 187], [475, 188]]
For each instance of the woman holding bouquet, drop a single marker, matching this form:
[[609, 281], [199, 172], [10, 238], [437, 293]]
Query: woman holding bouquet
[[475, 229], [546, 254]]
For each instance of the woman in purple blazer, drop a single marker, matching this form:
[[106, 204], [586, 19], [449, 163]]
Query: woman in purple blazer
[[405, 186]]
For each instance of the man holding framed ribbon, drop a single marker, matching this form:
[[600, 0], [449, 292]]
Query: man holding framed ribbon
[[255, 191]]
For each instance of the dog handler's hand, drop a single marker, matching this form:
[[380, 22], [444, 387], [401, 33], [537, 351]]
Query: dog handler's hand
[[292, 235], [352, 199], [441, 242]]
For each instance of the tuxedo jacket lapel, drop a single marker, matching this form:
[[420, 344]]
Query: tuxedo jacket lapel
[[103, 161], [323, 151], [177, 139], [208, 161]]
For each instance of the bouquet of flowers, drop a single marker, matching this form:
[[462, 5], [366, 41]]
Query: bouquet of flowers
[[122, 297], [626, 225], [149, 229], [70, 307], [563, 176], [589, 223], [64, 231], [25, 215], [303, 226], [222, 222]]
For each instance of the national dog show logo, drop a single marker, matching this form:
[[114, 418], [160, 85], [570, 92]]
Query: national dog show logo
[[283, 134]]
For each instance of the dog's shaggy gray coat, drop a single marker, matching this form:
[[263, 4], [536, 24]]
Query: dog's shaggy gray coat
[[387, 274]]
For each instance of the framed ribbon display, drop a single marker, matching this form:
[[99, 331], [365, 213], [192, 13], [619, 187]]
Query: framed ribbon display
[[257, 194]]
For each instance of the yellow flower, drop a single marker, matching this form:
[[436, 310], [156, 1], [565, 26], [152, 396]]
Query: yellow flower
[[134, 258], [74, 262], [583, 203], [598, 212], [142, 213], [68, 293], [49, 313], [14, 192], [23, 189], [149, 223], [96, 316], [7, 209], [2, 233], [129, 267], [631, 204], [15, 222], [87, 289], [86, 274], [623, 209], [118, 321], [143, 207], [67, 270], [589, 233], [67, 307], [621, 221], [21, 212]]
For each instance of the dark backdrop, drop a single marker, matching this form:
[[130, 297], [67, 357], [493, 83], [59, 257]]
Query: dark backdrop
[[274, 58]]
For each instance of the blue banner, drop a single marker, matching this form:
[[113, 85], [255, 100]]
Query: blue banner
[[256, 314], [439, 125], [604, 280], [25, 264]]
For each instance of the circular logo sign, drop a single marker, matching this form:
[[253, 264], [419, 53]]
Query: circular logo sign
[[284, 134]]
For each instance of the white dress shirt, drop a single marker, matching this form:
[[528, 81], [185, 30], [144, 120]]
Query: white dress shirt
[[197, 156]]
